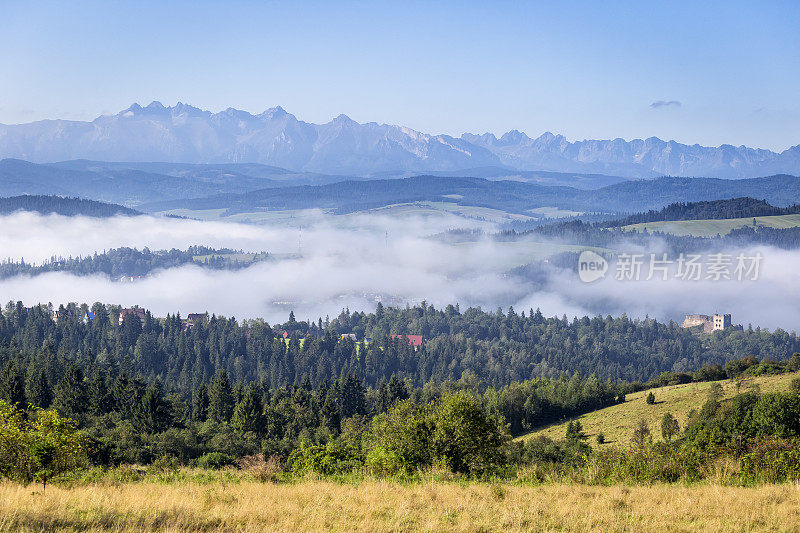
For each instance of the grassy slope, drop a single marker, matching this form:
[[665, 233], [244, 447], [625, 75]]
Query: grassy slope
[[710, 228], [389, 506], [617, 422], [420, 209]]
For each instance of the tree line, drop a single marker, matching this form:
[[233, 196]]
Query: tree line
[[708, 210], [132, 262], [62, 206], [493, 348]]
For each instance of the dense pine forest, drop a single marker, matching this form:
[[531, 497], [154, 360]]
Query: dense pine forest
[[596, 234], [494, 348], [132, 262], [709, 210], [210, 389], [62, 206]]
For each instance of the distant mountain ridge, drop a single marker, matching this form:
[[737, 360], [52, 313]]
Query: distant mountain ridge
[[186, 134]]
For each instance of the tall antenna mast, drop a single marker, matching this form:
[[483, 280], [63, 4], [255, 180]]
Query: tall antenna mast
[[300, 241]]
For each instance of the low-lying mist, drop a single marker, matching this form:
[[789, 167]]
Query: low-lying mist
[[354, 261]]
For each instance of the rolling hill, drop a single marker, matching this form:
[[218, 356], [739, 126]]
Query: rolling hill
[[504, 195], [617, 422], [134, 183], [254, 188], [712, 227]]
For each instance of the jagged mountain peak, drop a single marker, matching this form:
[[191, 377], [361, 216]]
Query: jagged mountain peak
[[276, 113], [187, 134], [344, 120], [514, 137]]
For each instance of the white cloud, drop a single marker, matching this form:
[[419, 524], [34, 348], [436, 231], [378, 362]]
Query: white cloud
[[348, 261]]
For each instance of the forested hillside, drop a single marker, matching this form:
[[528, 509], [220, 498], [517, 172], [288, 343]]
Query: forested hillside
[[131, 262], [494, 348], [212, 389], [711, 210], [596, 235], [510, 196], [62, 206]]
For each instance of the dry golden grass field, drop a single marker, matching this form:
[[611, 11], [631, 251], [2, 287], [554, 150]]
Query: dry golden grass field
[[617, 422], [390, 506]]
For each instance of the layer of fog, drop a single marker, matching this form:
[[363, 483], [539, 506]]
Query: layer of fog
[[355, 261]]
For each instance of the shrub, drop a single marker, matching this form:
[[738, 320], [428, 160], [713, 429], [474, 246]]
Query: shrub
[[641, 433], [651, 398], [601, 438], [166, 463], [328, 460], [399, 441], [464, 438], [772, 461], [260, 468], [777, 415], [544, 451], [575, 431], [215, 460], [669, 426], [39, 446], [660, 463]]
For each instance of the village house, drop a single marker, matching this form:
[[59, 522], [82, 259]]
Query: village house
[[132, 311], [193, 319], [414, 340], [196, 318], [60, 315]]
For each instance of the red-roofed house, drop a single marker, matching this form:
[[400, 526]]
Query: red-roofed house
[[194, 318], [413, 340], [133, 311]]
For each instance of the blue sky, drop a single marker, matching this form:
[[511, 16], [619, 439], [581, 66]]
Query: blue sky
[[729, 70]]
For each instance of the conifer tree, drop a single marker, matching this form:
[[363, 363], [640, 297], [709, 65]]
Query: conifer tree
[[220, 398], [12, 385], [99, 398], [200, 404], [248, 415], [39, 392], [153, 414], [70, 396]]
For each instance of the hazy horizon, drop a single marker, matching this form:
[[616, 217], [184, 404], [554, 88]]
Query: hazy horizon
[[498, 134]]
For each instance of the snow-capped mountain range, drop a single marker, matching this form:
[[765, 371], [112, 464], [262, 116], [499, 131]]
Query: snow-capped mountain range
[[186, 134]]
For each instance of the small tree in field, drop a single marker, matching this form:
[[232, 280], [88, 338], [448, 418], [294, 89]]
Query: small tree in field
[[669, 426], [651, 399], [39, 446], [55, 446], [641, 433], [575, 431]]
